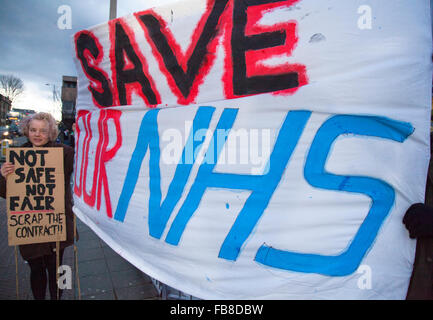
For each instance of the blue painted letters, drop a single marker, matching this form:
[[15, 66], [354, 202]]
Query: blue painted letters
[[263, 186], [381, 194]]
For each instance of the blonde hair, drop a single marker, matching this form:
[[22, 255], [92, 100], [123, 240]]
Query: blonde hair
[[53, 131]]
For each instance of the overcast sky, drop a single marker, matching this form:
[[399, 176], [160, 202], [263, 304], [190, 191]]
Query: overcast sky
[[35, 49]]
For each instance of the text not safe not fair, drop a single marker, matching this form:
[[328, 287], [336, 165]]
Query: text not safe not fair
[[33, 215]]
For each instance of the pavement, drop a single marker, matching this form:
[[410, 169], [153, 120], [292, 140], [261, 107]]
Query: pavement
[[102, 273]]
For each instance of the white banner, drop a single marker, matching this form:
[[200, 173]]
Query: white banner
[[258, 149]]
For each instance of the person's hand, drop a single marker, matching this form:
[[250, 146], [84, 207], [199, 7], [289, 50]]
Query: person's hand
[[7, 168], [419, 220]]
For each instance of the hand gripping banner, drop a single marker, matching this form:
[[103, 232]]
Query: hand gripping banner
[[265, 149]]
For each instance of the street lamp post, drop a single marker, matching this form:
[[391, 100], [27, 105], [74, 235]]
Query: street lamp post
[[113, 9], [55, 109]]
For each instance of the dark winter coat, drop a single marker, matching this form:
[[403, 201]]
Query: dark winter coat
[[31, 251], [421, 282]]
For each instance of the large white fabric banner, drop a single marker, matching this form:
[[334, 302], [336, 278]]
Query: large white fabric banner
[[258, 149]]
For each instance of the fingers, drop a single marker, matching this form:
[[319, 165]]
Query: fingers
[[412, 226], [7, 169], [411, 220]]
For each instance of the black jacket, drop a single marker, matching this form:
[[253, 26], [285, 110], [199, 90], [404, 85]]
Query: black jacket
[[421, 282]]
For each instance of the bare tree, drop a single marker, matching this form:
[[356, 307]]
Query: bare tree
[[11, 86]]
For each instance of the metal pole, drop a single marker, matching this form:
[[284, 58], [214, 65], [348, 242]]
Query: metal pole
[[113, 9], [55, 99]]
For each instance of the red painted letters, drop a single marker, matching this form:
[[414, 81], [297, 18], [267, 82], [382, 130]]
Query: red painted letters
[[246, 45], [101, 156]]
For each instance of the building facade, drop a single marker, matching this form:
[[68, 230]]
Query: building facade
[[69, 98], [5, 107]]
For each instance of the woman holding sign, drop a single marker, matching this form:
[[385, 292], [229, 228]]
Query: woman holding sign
[[41, 131]]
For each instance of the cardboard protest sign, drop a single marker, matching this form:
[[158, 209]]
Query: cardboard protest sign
[[257, 149], [36, 196]]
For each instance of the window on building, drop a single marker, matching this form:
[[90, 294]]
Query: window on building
[[68, 107], [69, 84]]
